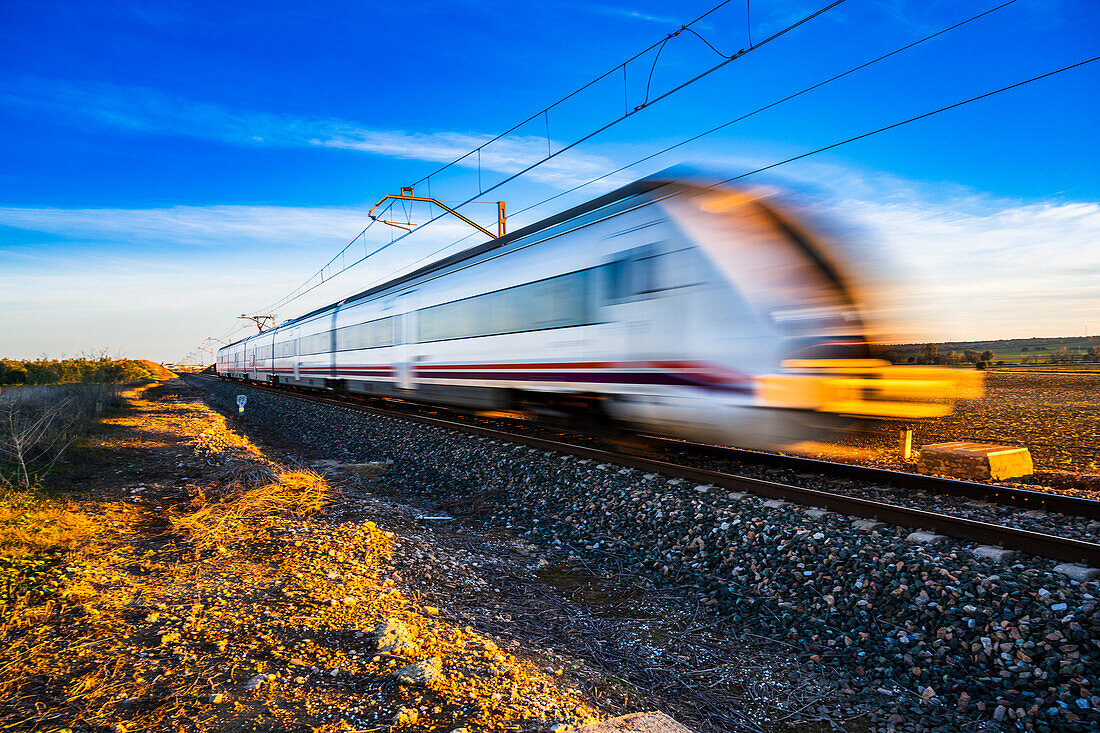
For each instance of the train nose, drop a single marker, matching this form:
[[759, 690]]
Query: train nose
[[867, 388]]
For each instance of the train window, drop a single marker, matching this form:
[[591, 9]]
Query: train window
[[642, 271], [632, 274], [318, 343], [551, 303], [365, 335]]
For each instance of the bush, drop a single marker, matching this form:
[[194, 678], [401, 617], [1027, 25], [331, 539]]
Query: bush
[[37, 424], [95, 370], [982, 365]]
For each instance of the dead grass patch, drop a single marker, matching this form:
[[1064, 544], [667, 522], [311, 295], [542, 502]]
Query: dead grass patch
[[238, 605], [33, 524], [256, 499]]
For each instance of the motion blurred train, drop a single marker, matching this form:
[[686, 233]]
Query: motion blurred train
[[670, 306]]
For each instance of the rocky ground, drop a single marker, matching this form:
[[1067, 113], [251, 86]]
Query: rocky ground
[[216, 590], [916, 637]]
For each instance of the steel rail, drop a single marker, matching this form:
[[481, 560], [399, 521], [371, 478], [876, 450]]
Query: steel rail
[[1004, 495], [1034, 543]]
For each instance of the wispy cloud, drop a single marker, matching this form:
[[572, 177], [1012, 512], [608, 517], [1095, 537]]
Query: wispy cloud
[[981, 266], [144, 111], [627, 13], [508, 155], [194, 225]]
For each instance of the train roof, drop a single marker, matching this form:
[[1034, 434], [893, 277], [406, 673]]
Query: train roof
[[645, 185]]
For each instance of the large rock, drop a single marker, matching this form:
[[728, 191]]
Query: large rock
[[976, 461], [636, 723], [420, 673], [394, 637]]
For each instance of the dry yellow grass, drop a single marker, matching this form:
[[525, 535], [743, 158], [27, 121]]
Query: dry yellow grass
[[257, 499], [33, 524], [159, 618]]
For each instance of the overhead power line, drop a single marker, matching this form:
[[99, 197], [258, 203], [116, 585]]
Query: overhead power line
[[758, 110], [722, 126], [911, 119], [306, 288], [545, 110], [821, 149], [886, 128]]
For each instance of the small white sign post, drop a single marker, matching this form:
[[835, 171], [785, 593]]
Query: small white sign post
[[241, 400]]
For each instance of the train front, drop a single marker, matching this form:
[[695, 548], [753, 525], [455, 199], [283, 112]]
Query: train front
[[795, 318]]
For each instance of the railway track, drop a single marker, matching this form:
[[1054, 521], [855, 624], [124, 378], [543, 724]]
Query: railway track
[[1036, 543]]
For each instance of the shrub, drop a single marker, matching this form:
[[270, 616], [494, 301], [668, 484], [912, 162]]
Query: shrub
[[94, 370], [37, 424]]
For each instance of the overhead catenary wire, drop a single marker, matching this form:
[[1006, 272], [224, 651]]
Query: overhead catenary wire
[[860, 136], [758, 110], [911, 119], [302, 290], [885, 128], [570, 95]]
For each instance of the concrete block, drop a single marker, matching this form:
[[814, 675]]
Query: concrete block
[[925, 538], [705, 488], [994, 553], [636, 723], [1077, 572], [976, 461], [868, 524], [816, 513], [776, 503], [737, 496]]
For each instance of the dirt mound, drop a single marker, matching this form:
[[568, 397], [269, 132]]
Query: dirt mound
[[156, 370]]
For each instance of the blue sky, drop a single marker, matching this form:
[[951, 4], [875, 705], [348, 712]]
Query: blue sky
[[165, 166]]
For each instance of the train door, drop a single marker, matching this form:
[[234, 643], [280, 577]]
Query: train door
[[407, 337], [628, 296], [297, 356]]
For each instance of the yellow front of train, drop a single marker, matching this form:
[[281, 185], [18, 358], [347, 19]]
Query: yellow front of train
[[822, 307]]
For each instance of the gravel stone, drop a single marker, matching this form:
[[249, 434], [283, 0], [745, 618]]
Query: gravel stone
[[925, 538], [1077, 572], [994, 641], [994, 553], [419, 673]]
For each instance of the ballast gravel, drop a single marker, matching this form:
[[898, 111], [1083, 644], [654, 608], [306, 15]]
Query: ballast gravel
[[944, 638]]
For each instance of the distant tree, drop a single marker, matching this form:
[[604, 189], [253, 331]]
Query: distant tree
[[1094, 353], [1000, 363], [987, 355], [970, 356], [928, 354], [911, 360], [953, 357], [1024, 350], [981, 365]]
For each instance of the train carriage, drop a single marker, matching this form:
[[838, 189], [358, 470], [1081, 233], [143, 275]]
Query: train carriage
[[669, 306]]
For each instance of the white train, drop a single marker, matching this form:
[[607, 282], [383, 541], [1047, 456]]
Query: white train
[[667, 306]]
